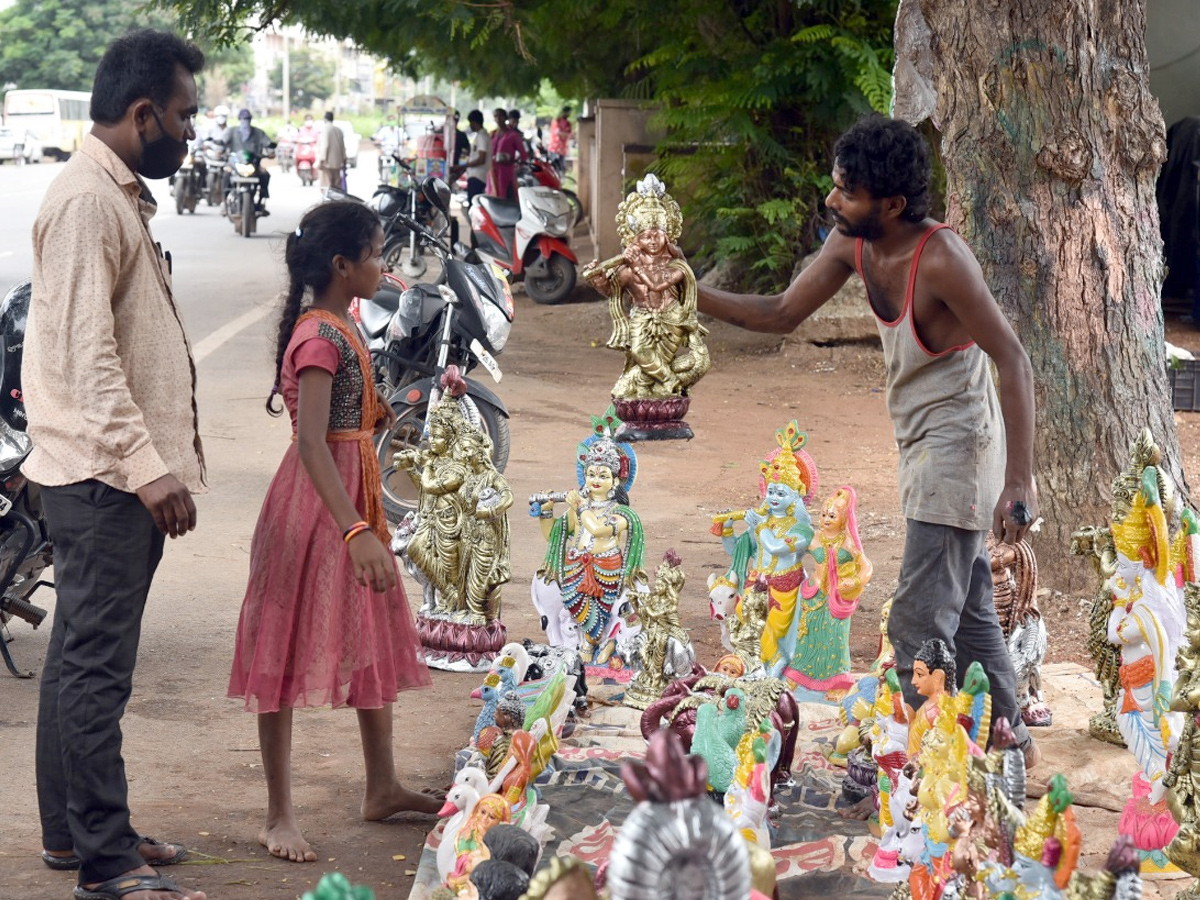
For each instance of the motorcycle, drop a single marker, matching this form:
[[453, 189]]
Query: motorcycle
[[187, 184], [544, 172], [403, 248], [464, 322], [242, 198], [215, 156], [25, 549], [306, 158], [284, 154], [528, 238]]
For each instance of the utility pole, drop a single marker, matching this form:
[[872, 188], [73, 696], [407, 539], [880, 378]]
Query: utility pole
[[287, 81]]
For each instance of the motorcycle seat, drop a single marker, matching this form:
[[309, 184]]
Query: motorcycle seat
[[503, 212], [376, 311]]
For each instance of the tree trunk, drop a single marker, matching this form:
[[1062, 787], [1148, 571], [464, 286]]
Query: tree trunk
[[1052, 143]]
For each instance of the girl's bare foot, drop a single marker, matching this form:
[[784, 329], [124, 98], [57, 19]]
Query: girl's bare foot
[[284, 840], [400, 799]]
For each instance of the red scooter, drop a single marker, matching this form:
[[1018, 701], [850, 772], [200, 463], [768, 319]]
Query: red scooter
[[527, 239], [306, 158], [540, 172]]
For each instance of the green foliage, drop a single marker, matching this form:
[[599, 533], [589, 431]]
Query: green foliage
[[311, 76], [58, 43], [753, 93], [754, 103], [226, 69]]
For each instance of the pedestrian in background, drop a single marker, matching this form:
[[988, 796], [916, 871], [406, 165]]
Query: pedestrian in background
[[507, 146], [479, 159], [331, 153], [325, 621], [109, 386], [560, 133]]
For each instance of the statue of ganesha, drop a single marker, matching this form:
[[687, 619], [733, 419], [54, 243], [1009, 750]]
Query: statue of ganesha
[[593, 565], [659, 334]]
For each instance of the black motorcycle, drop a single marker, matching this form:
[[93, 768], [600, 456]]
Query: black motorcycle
[[188, 183], [25, 550], [396, 205], [243, 195], [464, 321], [216, 154]]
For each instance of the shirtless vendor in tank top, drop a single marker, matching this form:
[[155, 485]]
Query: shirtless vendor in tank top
[[966, 454]]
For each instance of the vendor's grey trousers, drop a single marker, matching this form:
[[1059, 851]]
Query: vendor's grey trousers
[[945, 592], [106, 549]]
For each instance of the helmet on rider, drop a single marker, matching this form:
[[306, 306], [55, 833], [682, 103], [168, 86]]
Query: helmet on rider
[[221, 114]]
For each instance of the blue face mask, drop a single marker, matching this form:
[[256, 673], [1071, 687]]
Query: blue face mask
[[161, 157], [244, 128]]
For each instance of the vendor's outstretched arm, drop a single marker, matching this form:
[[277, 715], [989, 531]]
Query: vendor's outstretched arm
[[781, 313]]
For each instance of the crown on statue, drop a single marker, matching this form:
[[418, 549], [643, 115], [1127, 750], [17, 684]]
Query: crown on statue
[[650, 206], [781, 466], [1142, 533]]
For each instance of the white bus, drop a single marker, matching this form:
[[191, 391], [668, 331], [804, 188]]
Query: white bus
[[59, 119]]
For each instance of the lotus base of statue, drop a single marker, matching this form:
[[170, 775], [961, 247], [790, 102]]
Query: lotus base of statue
[[1151, 826], [653, 419], [454, 645], [637, 697]]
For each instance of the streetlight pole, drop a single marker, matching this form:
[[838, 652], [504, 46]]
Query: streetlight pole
[[287, 81]]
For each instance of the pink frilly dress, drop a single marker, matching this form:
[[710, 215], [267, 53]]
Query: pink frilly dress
[[309, 634]]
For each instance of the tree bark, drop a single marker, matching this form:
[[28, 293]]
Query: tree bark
[[1052, 143]]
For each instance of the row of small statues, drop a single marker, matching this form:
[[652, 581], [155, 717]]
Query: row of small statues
[[592, 591]]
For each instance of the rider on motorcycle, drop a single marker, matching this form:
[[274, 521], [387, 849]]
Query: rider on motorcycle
[[219, 131], [250, 144]]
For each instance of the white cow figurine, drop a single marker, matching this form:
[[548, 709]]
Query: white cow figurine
[[722, 604]]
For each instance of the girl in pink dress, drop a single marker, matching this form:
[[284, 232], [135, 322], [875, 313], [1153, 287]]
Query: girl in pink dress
[[325, 620]]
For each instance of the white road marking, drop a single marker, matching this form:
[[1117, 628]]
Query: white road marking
[[227, 332]]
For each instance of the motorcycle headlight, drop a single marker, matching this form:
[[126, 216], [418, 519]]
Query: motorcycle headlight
[[14, 447], [495, 324]]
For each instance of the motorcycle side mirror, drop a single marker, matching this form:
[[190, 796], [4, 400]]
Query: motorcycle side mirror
[[437, 192]]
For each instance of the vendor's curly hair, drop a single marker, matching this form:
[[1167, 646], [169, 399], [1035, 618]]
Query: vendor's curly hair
[[887, 158]]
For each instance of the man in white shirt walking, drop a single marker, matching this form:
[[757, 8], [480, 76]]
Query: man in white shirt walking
[[480, 158]]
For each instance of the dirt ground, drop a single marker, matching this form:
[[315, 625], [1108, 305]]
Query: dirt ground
[[192, 759]]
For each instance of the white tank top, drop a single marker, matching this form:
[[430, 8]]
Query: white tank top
[[946, 417]]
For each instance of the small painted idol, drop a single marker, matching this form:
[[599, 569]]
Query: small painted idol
[[665, 648], [933, 677], [773, 545], [593, 566], [828, 597], [469, 847]]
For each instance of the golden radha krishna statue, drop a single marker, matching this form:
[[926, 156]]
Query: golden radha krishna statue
[[651, 294]]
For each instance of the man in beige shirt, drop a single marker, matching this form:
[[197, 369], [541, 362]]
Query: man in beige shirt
[[331, 153], [109, 386]]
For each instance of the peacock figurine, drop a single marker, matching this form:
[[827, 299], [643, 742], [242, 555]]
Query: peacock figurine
[[719, 729]]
